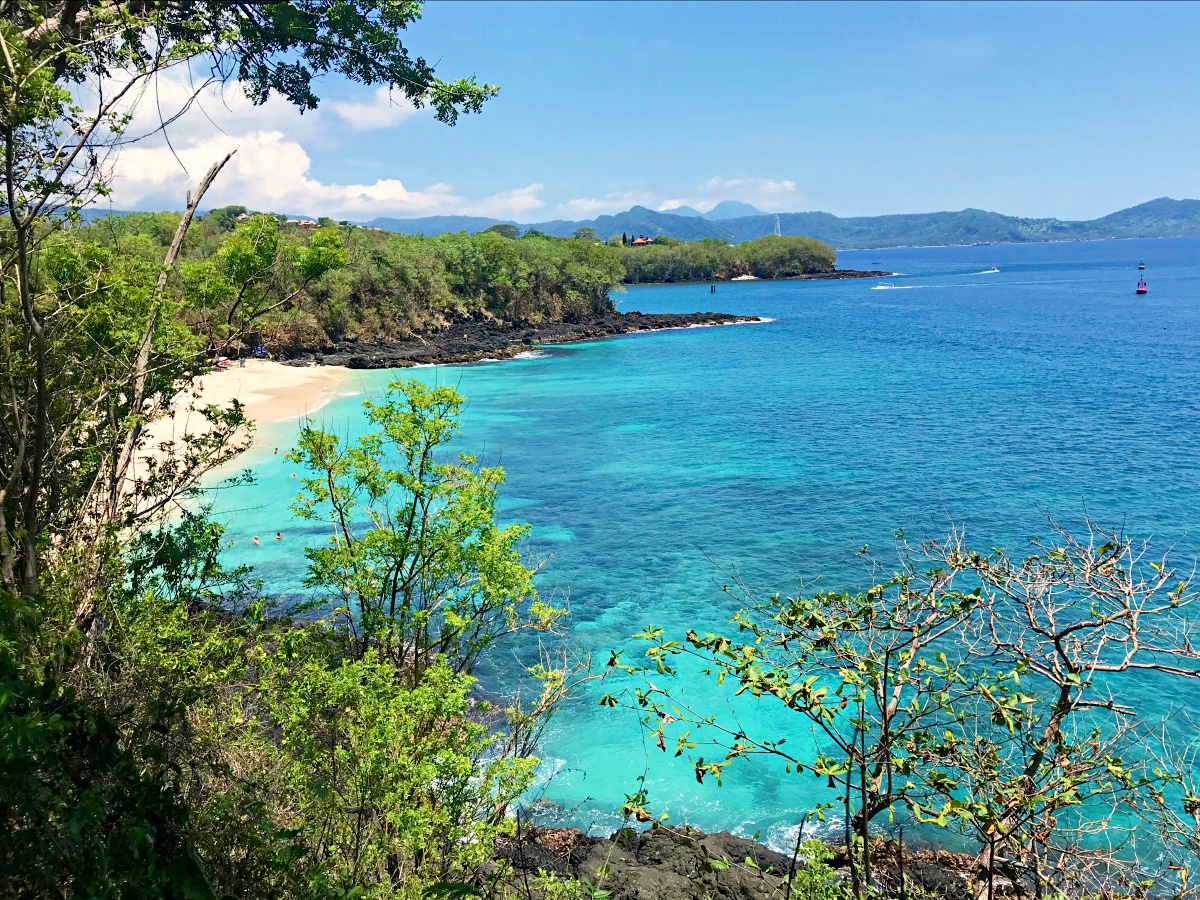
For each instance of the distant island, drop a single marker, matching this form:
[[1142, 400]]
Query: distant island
[[1163, 217]]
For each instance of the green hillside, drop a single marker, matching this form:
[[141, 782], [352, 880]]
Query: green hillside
[[1163, 217]]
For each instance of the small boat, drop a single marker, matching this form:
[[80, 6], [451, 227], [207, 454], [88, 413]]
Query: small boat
[[1141, 288], [884, 286], [1142, 264]]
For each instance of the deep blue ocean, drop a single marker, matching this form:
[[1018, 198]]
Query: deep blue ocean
[[649, 465]]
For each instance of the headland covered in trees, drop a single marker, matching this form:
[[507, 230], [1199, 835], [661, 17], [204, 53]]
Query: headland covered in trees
[[339, 294]]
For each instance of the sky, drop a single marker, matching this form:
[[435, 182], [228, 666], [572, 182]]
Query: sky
[[1065, 110]]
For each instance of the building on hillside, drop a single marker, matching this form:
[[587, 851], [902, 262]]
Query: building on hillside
[[242, 217], [641, 241]]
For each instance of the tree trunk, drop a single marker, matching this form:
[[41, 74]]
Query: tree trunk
[[141, 371], [113, 492]]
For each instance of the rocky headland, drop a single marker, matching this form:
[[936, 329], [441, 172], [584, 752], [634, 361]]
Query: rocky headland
[[479, 337]]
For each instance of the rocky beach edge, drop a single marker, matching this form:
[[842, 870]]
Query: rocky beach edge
[[479, 338], [835, 275], [669, 863]]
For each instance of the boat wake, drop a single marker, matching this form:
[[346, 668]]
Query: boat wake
[[991, 271], [894, 287]]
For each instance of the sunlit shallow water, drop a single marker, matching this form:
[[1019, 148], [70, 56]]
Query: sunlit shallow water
[[649, 464]]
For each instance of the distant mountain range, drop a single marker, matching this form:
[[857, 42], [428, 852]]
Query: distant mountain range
[[728, 221], [1163, 217], [726, 209]]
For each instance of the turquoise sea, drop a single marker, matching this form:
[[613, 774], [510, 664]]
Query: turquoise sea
[[651, 464]]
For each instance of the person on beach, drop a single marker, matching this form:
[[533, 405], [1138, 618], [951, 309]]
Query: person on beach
[[276, 451]]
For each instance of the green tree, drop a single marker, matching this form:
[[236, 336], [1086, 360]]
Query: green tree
[[586, 234], [416, 565], [56, 154], [256, 271], [505, 230], [1069, 768], [992, 711], [770, 257], [226, 216], [865, 670]]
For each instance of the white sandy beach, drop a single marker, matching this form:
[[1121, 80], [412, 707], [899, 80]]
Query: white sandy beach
[[269, 391]]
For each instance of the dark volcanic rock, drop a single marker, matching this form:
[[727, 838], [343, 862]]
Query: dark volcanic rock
[[840, 273], [834, 275], [660, 864], [471, 340], [684, 864]]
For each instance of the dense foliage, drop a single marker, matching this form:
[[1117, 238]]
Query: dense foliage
[[293, 286], [198, 747], [163, 732], [711, 259]]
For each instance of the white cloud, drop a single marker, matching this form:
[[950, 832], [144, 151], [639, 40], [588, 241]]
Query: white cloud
[[772, 194], [616, 201], [508, 204], [386, 109], [271, 169], [268, 172]]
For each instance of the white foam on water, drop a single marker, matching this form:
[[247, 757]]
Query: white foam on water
[[782, 838]]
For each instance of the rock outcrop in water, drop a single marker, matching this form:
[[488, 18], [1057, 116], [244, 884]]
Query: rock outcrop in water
[[478, 338]]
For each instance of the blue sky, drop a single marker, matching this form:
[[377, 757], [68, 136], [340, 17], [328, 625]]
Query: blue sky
[[1069, 110]]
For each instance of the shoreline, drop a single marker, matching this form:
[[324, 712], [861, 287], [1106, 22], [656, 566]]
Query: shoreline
[[480, 339], [273, 391], [835, 275], [675, 861], [269, 392]]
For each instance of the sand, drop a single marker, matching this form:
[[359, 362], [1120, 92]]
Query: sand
[[269, 391]]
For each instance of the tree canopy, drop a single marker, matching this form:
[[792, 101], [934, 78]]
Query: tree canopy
[[710, 259], [278, 47]]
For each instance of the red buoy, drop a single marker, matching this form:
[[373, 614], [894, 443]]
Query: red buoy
[[1141, 288]]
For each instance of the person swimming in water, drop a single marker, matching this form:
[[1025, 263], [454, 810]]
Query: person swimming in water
[[256, 540], [279, 535]]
